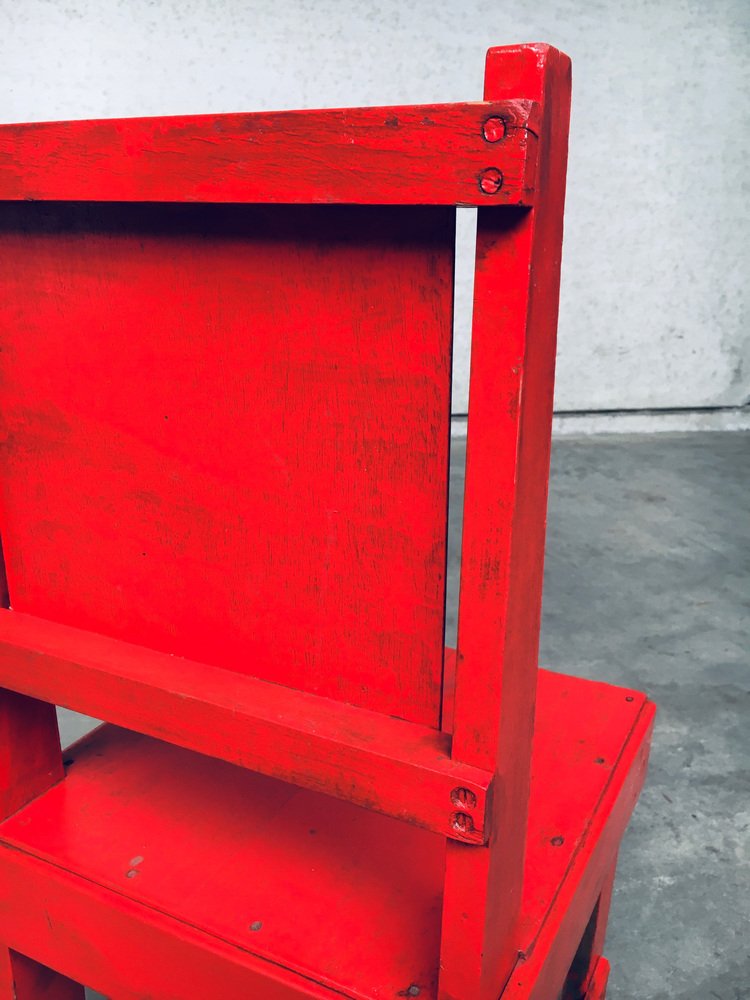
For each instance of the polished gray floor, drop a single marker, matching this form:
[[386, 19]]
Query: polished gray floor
[[647, 584]]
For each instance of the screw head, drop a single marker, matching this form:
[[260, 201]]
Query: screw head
[[256, 925], [557, 841], [490, 180], [462, 822], [493, 129], [464, 798], [413, 990]]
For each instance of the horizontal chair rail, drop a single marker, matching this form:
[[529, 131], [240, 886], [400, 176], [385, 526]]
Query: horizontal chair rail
[[373, 760], [479, 153]]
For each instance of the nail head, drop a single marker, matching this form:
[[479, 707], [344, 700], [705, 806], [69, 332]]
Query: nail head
[[490, 180], [494, 129]]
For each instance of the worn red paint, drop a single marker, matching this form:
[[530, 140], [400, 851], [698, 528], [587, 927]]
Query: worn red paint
[[419, 155], [223, 482], [396, 767]]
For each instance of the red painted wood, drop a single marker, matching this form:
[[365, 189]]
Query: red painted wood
[[582, 972], [507, 467], [23, 979], [30, 758], [597, 976], [223, 484], [562, 883], [598, 986], [224, 436], [129, 952], [344, 896], [431, 154], [373, 760], [356, 904]]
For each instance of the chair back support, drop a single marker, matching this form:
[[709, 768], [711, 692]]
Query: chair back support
[[224, 435]]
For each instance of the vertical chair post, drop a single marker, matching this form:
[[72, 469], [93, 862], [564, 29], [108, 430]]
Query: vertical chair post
[[507, 469]]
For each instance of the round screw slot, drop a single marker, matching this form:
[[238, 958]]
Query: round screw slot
[[462, 822], [490, 180], [464, 798], [493, 129]]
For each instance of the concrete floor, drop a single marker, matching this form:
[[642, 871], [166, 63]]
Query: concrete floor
[[647, 584]]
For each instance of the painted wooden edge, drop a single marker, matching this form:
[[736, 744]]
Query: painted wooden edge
[[91, 934], [544, 962], [514, 327], [389, 765], [481, 153], [30, 755], [22, 978]]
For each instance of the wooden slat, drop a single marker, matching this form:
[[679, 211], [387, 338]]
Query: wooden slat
[[507, 468], [385, 764], [431, 154], [224, 435]]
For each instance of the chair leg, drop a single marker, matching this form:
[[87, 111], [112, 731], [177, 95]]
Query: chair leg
[[597, 988], [22, 978], [588, 974]]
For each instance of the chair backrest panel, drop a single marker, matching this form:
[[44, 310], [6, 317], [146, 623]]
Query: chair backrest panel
[[224, 435]]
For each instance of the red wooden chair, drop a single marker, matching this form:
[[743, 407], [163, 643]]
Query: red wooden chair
[[225, 384]]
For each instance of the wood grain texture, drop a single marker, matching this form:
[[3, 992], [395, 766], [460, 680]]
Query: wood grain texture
[[393, 767], [507, 468], [431, 154], [224, 435]]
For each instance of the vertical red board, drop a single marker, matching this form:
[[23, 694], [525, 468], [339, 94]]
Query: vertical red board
[[224, 435], [514, 329]]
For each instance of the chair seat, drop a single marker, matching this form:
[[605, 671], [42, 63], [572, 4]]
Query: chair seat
[[283, 878]]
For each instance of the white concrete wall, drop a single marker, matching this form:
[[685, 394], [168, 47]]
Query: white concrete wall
[[654, 303]]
